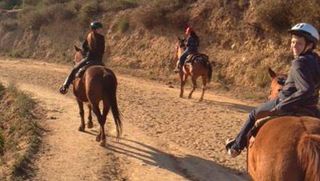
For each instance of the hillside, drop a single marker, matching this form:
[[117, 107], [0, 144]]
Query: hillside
[[243, 37]]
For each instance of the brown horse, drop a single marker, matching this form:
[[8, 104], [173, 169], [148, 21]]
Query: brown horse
[[196, 65], [286, 148], [277, 82], [97, 84]]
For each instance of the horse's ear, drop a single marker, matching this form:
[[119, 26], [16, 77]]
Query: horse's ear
[[272, 73], [77, 48]]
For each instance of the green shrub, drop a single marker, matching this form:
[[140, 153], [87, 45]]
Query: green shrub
[[123, 25], [10, 4]]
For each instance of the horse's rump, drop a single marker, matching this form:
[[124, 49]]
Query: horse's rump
[[286, 148], [198, 58]]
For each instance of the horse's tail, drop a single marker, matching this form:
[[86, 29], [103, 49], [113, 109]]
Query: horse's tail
[[209, 65], [309, 156], [110, 83]]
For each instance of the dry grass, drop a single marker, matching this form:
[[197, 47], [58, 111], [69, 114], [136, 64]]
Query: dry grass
[[280, 15], [19, 133]]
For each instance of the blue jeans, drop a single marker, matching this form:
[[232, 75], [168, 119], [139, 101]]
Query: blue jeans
[[85, 61], [185, 54], [259, 112]]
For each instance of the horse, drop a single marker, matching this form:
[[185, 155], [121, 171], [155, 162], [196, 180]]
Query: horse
[[285, 148], [277, 82], [196, 65], [95, 85]]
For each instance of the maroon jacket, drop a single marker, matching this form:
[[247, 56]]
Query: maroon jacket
[[94, 45]]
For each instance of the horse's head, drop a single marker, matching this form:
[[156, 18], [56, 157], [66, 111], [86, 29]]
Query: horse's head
[[277, 83], [180, 47], [78, 56]]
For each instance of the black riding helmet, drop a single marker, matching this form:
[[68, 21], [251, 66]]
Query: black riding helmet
[[95, 25]]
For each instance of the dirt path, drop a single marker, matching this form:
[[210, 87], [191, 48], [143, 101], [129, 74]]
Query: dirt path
[[165, 137]]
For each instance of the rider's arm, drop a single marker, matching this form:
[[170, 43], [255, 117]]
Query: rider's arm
[[304, 84]]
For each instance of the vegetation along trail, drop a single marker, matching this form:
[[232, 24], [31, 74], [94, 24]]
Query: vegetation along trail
[[165, 137]]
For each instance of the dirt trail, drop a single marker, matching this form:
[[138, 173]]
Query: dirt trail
[[165, 137]]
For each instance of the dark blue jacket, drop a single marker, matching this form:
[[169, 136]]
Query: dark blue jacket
[[192, 43], [301, 89]]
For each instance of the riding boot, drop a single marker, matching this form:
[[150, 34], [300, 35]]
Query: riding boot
[[64, 88], [178, 68]]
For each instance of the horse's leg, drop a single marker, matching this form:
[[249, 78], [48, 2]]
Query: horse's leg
[[194, 86], [81, 112], [183, 78], [106, 108], [97, 112], [90, 123], [204, 86]]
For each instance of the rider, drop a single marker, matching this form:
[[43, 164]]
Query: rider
[[93, 47], [192, 47], [301, 89]]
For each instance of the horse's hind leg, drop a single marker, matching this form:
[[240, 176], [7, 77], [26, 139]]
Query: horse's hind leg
[[106, 108], [101, 135], [204, 86], [81, 112], [194, 86], [90, 123]]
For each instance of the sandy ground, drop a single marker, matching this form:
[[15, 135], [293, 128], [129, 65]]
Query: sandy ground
[[165, 137]]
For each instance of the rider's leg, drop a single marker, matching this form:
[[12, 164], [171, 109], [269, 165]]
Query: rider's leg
[[71, 76], [182, 59], [240, 141]]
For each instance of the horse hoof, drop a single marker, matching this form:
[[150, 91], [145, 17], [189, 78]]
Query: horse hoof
[[103, 143], [90, 124], [98, 138], [81, 128]]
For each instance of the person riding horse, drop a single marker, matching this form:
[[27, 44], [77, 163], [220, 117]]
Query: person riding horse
[[301, 89], [191, 47], [94, 46]]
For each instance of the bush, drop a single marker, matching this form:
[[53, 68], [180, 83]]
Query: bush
[[88, 12], [32, 18], [281, 15], [274, 13], [10, 4], [123, 25], [153, 17]]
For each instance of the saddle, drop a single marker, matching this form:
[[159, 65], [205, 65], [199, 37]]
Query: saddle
[[298, 113], [81, 71], [197, 57]]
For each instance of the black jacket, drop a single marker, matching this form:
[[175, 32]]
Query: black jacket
[[301, 89]]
